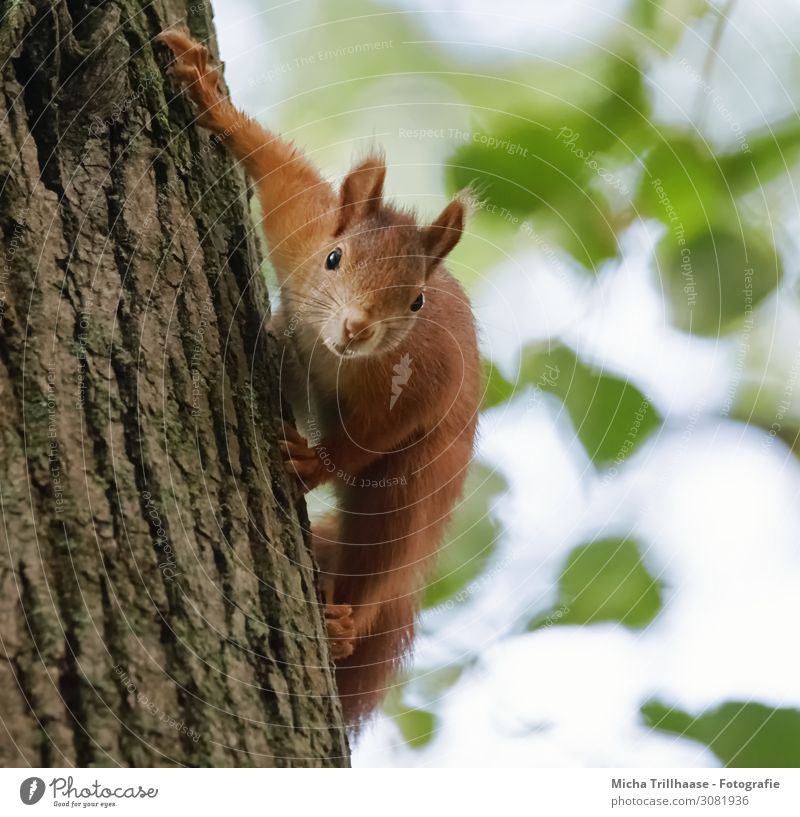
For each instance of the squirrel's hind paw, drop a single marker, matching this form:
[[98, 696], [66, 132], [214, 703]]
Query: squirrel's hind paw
[[341, 630]]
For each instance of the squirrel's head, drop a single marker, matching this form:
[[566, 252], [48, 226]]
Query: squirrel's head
[[373, 272]]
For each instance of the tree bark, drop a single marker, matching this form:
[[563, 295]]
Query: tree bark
[[158, 603]]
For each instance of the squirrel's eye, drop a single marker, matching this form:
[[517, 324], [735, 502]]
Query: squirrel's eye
[[333, 259], [419, 303]]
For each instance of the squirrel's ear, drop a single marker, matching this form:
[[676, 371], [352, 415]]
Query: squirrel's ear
[[362, 190], [443, 234]]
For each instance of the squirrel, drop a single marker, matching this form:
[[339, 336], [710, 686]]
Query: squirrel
[[383, 369]]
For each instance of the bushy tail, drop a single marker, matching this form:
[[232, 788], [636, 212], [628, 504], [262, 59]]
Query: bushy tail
[[364, 679]]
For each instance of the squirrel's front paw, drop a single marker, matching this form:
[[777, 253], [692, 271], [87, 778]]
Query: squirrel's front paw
[[192, 71], [341, 630], [302, 461]]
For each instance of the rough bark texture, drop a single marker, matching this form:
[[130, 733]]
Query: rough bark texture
[[157, 598]]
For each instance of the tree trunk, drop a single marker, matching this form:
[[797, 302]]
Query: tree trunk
[[158, 603]]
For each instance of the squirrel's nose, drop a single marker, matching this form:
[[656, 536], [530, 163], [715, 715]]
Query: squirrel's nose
[[357, 323]]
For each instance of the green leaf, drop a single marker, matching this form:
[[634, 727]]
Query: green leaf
[[470, 541], [715, 278], [588, 232], [605, 581], [430, 685], [688, 187], [416, 726], [416, 723], [496, 388], [741, 735], [766, 156], [664, 22], [683, 185], [611, 416], [556, 160]]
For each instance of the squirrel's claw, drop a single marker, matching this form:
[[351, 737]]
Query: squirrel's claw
[[291, 434], [307, 470], [296, 451], [293, 445], [192, 71], [177, 39]]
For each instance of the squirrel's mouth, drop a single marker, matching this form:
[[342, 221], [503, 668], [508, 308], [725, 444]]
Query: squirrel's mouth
[[346, 350], [377, 344], [377, 341]]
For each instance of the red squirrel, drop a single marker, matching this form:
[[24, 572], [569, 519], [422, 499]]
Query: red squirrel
[[380, 362]]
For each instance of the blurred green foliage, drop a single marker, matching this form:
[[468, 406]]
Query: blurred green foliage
[[663, 22], [417, 726], [470, 541], [497, 389], [747, 735], [604, 581], [705, 296], [538, 162], [611, 416]]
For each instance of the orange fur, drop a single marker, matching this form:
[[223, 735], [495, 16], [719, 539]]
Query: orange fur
[[389, 396]]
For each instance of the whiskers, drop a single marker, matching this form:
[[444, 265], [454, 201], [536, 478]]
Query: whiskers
[[318, 311], [393, 332], [313, 308]]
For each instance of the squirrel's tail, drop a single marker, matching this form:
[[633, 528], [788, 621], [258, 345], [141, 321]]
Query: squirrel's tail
[[378, 552], [365, 677]]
